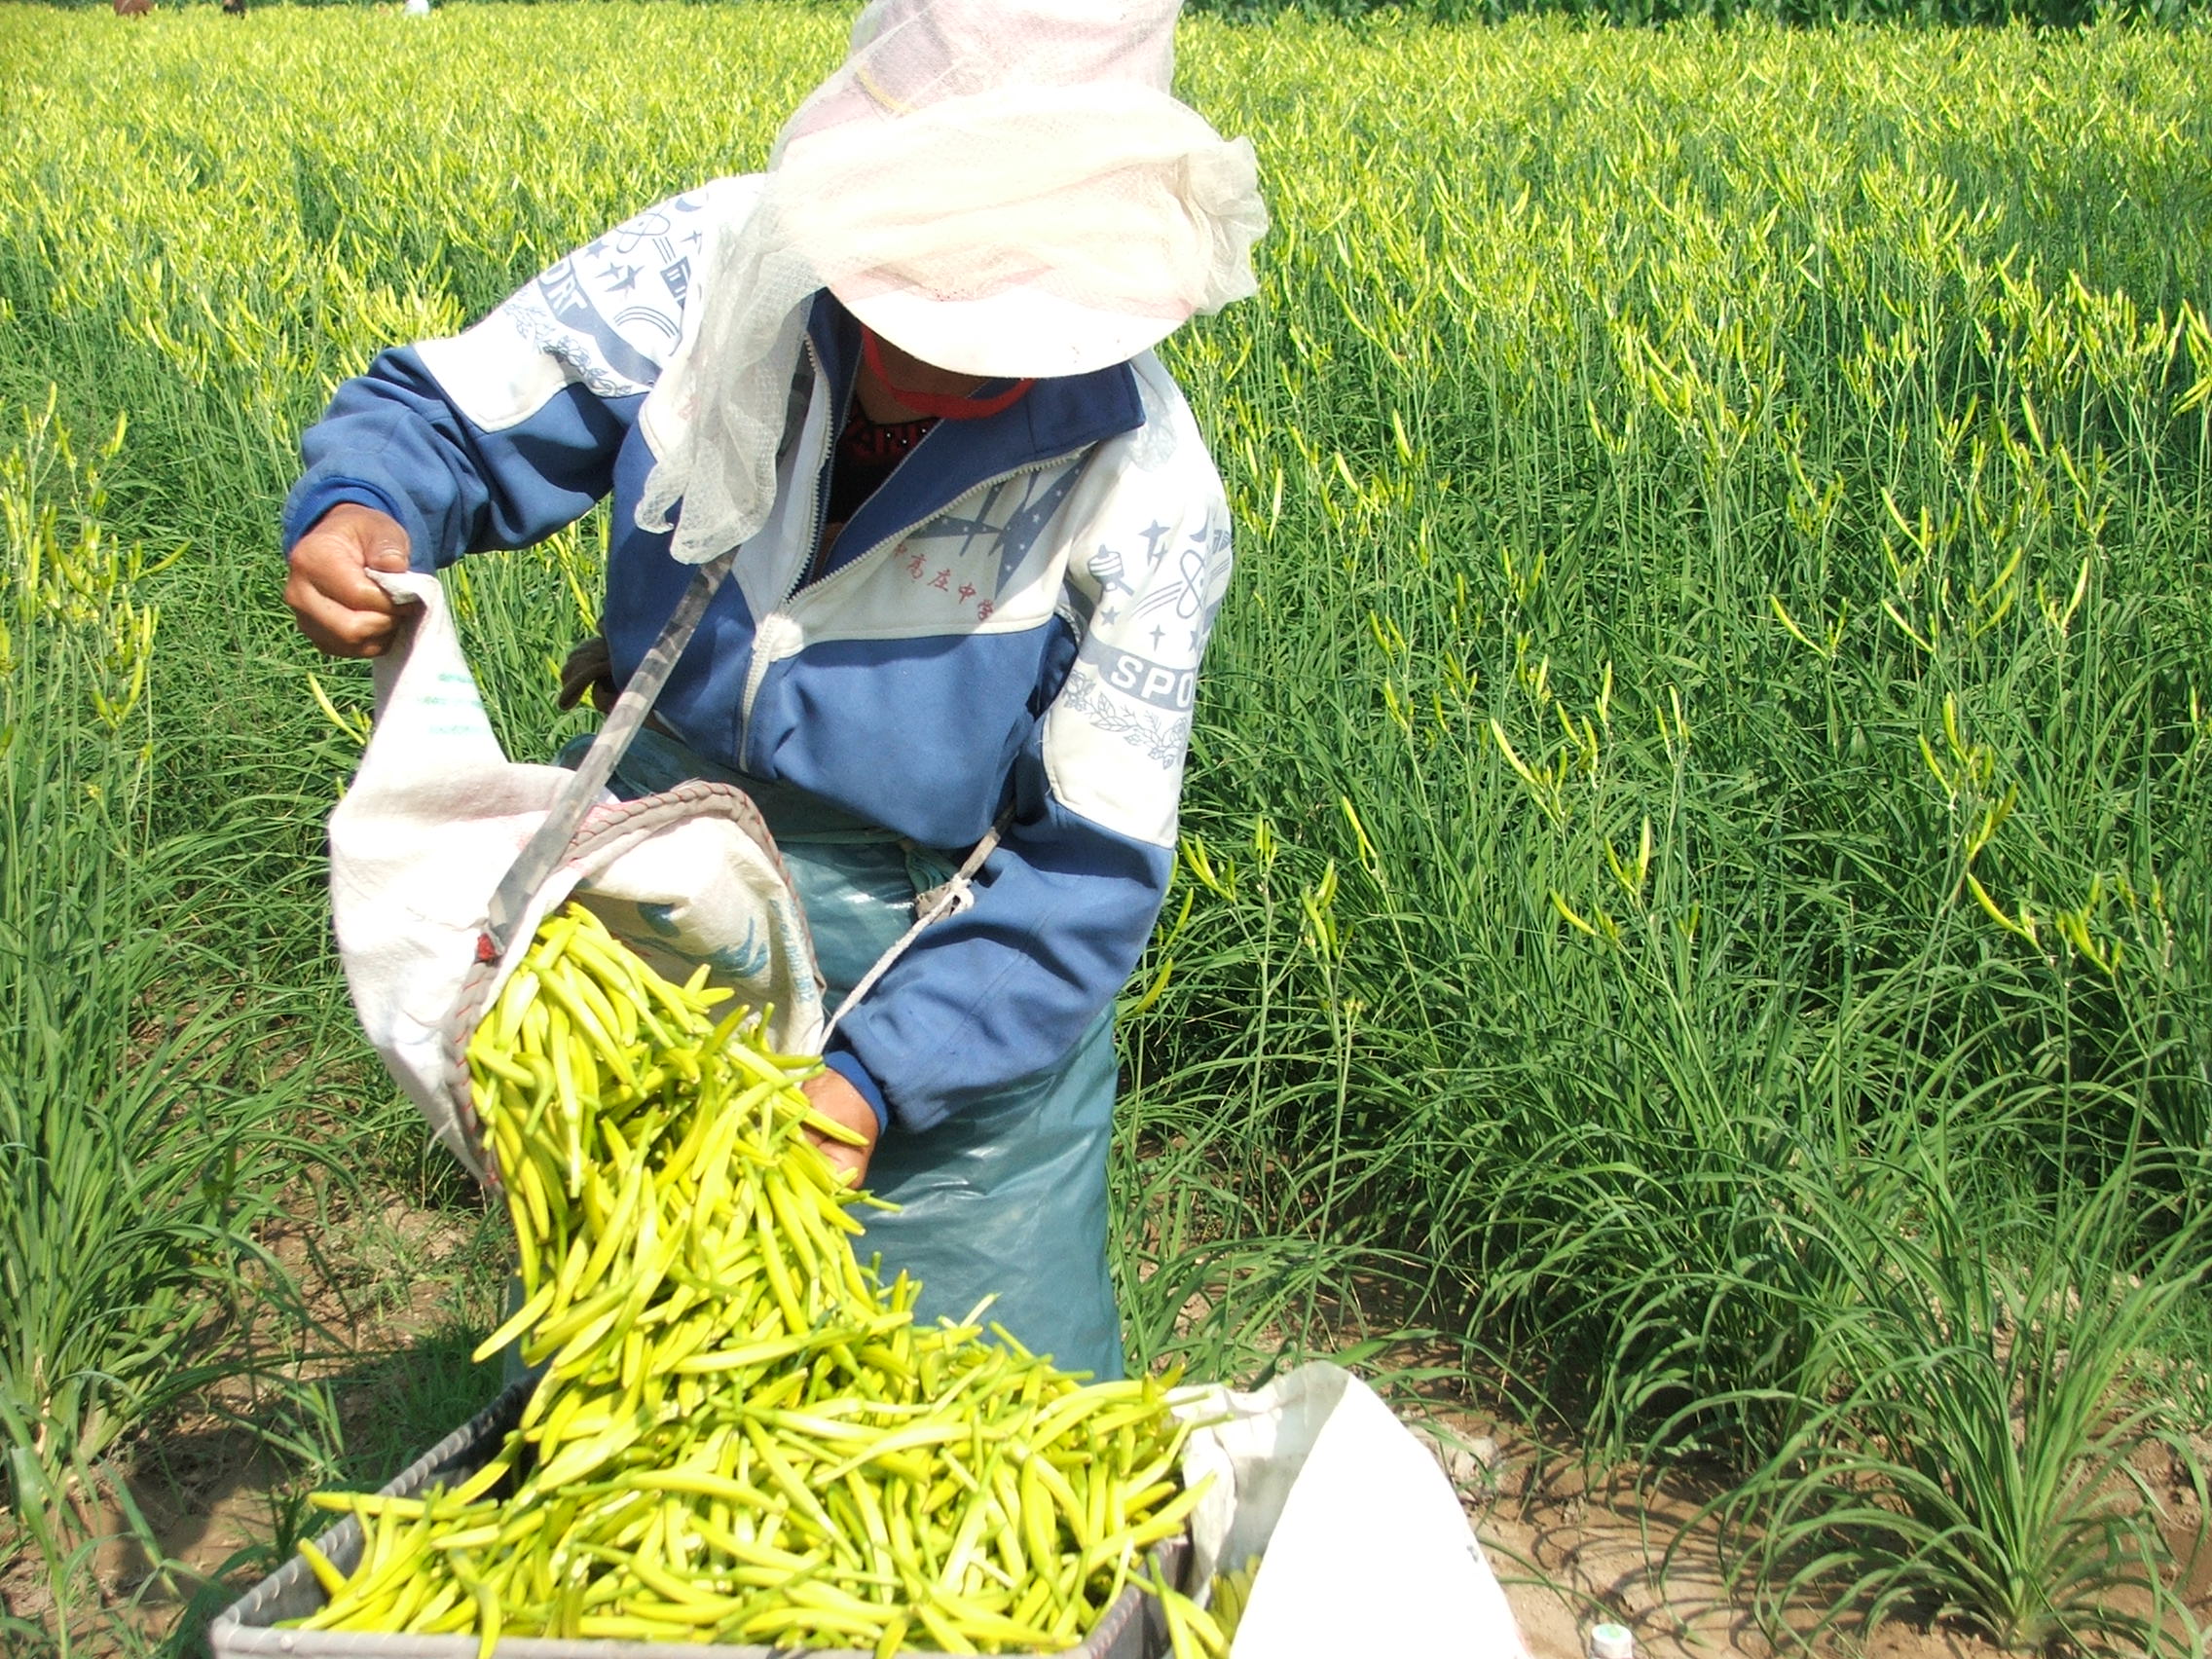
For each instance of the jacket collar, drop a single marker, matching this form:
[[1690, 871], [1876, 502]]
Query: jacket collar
[[1059, 417]]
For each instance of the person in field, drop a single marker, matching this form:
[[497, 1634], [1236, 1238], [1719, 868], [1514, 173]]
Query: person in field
[[907, 373]]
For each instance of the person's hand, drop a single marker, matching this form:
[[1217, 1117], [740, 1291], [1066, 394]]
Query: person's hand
[[338, 608], [830, 1094]]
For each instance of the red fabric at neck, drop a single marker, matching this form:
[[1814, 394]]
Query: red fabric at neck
[[932, 403]]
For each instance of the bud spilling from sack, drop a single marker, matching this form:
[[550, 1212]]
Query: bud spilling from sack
[[741, 1434]]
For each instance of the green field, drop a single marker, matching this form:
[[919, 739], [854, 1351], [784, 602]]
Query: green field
[[1697, 913]]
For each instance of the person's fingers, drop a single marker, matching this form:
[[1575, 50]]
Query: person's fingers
[[849, 1164], [848, 1161], [836, 1100], [338, 608], [345, 544], [336, 629]]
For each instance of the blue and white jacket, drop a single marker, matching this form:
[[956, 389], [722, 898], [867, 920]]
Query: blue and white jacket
[[1012, 622]]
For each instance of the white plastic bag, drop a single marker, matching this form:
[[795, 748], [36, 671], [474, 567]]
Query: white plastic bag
[[1363, 1544], [435, 817]]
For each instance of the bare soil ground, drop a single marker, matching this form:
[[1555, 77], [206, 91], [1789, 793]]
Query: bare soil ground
[[1573, 1550]]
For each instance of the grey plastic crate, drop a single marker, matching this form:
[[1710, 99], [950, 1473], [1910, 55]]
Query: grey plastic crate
[[1132, 1628]]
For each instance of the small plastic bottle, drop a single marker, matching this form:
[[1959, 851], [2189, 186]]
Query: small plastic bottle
[[1611, 1641]]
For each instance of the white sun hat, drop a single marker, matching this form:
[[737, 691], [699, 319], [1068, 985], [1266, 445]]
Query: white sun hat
[[1004, 188]]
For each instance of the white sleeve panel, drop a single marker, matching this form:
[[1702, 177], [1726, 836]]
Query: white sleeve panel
[[606, 317], [1152, 569]]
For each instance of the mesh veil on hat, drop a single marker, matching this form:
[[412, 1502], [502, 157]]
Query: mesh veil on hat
[[1001, 186]]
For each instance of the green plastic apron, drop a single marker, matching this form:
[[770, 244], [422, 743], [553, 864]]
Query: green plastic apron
[[1008, 1197]]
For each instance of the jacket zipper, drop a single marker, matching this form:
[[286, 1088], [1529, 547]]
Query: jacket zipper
[[824, 484], [776, 632]]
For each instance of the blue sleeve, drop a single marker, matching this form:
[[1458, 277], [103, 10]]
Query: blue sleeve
[[1002, 991], [395, 439], [502, 434]]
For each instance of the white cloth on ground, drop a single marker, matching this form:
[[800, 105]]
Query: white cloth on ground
[[1363, 1546]]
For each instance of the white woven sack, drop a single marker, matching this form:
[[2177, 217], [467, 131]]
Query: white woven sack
[[435, 817], [1363, 1545]]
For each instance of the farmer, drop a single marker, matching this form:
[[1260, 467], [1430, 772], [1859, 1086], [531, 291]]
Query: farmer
[[907, 373]]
